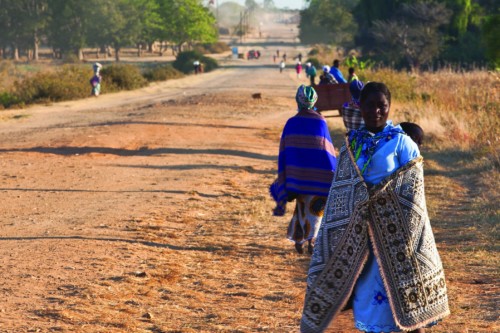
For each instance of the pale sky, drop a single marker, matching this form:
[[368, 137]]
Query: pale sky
[[292, 4]]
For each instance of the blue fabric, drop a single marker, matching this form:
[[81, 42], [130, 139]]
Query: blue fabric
[[372, 312], [306, 161], [371, 309], [388, 156], [337, 74]]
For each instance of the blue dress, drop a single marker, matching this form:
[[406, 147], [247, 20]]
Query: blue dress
[[372, 312]]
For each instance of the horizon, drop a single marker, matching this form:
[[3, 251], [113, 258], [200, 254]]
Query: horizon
[[290, 4]]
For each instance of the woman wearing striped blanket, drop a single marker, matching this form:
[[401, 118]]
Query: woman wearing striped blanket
[[306, 165]]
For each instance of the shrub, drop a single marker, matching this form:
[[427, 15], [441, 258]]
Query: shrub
[[218, 47], [122, 77], [8, 99], [162, 73], [314, 62], [69, 82], [184, 62]]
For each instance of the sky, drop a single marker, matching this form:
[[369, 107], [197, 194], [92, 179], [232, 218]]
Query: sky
[[292, 4]]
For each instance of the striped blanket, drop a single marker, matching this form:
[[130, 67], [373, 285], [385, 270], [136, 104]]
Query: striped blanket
[[306, 161]]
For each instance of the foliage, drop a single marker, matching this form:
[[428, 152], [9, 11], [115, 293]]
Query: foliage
[[187, 21], [412, 34], [492, 40], [162, 73], [315, 62], [184, 62], [8, 99], [69, 82], [353, 61], [212, 48], [122, 77], [68, 24], [328, 21]]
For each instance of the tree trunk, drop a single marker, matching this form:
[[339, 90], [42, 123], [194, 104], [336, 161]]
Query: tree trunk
[[117, 53], [79, 52], [15, 52], [35, 45]]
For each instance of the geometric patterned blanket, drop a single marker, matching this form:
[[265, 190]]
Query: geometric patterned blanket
[[393, 216]]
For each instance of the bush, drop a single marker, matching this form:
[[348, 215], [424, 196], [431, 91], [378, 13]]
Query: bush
[[315, 63], [122, 77], [184, 62], [69, 82], [8, 99], [218, 47], [162, 73]]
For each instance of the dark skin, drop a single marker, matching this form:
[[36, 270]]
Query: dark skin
[[375, 111]]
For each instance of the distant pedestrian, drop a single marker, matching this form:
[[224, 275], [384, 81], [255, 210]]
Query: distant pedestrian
[[298, 69], [352, 76], [311, 73], [196, 66], [337, 74], [274, 58], [282, 66], [95, 81]]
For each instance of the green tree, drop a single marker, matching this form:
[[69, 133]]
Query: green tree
[[491, 39], [68, 25], [186, 22], [413, 34], [120, 23], [460, 17], [328, 21], [21, 24]]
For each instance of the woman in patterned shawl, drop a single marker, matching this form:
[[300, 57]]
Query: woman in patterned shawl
[[306, 164], [375, 250]]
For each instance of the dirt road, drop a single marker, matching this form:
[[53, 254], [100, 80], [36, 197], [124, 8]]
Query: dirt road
[[148, 211]]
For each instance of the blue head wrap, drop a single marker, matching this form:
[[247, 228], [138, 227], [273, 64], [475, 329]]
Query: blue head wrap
[[355, 88]]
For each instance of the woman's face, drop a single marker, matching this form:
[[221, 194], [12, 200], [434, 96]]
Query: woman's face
[[375, 111]]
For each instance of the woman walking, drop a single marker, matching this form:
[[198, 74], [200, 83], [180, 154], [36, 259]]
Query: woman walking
[[376, 250], [306, 164]]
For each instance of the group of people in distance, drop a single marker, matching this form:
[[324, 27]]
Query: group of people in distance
[[362, 215], [329, 75]]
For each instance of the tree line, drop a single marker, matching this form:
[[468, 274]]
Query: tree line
[[408, 33], [69, 26]]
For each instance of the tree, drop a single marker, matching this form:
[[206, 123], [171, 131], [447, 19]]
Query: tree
[[68, 25], [186, 22], [328, 21], [268, 4], [120, 23], [490, 37], [21, 22], [412, 35]]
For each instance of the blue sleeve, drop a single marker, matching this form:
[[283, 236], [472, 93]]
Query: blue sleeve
[[408, 150]]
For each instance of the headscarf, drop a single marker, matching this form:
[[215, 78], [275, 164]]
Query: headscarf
[[306, 97], [326, 68], [355, 88]]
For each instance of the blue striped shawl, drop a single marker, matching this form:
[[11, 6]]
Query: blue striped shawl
[[306, 161]]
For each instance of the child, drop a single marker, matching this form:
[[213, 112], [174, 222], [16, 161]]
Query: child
[[352, 76], [415, 132]]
